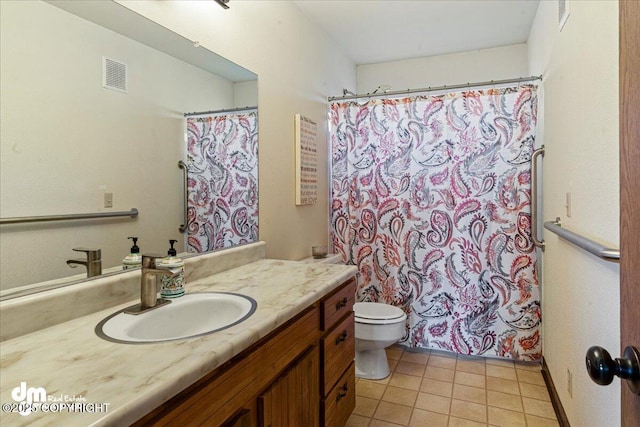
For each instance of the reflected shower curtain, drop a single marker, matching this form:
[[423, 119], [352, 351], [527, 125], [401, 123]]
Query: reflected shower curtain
[[430, 199], [222, 180]]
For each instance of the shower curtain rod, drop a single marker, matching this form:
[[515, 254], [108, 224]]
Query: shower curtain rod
[[228, 110], [436, 88]]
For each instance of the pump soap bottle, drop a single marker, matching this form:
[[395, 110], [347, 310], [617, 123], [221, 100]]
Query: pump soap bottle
[[134, 259], [172, 287]]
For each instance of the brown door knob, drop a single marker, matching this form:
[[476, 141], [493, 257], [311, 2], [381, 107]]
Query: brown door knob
[[602, 368]]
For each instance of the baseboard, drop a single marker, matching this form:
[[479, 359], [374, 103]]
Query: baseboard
[[553, 394]]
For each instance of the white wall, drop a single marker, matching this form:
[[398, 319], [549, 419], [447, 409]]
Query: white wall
[[580, 134], [298, 67], [474, 66], [66, 140]]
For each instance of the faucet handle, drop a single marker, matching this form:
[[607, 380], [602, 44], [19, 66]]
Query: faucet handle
[[149, 260], [92, 254]]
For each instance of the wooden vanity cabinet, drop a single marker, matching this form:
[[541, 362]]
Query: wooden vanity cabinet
[[301, 374], [337, 351]]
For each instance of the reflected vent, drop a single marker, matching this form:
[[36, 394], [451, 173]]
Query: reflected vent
[[114, 75]]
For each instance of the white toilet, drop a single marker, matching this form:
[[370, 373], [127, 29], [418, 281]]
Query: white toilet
[[377, 327]]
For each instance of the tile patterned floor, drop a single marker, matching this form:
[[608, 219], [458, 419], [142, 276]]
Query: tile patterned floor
[[433, 389]]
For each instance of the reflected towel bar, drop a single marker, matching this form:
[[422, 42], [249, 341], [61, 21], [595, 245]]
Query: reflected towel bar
[[133, 213], [183, 227], [608, 254]]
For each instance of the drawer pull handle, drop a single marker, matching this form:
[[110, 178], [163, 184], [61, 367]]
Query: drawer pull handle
[[341, 338], [342, 393], [341, 304]]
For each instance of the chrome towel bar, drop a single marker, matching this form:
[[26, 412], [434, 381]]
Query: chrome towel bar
[[133, 213], [608, 254], [534, 197]]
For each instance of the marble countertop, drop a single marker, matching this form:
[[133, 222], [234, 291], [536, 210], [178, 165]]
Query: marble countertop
[[72, 363]]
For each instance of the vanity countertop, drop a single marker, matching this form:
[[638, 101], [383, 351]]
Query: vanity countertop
[[72, 363]]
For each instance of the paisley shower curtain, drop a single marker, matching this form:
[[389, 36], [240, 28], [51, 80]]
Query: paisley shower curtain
[[222, 180], [430, 199]]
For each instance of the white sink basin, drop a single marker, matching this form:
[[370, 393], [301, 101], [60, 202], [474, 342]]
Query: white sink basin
[[188, 316]]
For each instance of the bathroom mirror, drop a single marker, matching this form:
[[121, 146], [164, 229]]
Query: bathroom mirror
[[92, 112]]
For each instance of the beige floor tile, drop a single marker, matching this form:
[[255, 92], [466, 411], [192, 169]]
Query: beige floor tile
[[459, 422], [401, 396], [421, 418], [470, 394], [530, 377], [442, 374], [500, 362], [534, 391], [380, 423], [468, 411], [504, 401], [502, 372], [529, 366], [384, 381], [538, 408], [471, 366], [533, 421], [442, 362], [394, 353], [433, 403], [393, 413], [473, 380], [357, 421], [370, 389], [505, 386], [415, 369], [454, 391], [392, 364], [414, 357], [405, 381], [441, 388], [365, 406], [504, 418]]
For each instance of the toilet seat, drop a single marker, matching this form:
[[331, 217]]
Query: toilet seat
[[374, 313]]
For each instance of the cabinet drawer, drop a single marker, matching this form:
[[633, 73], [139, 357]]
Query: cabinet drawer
[[341, 401], [338, 351], [337, 305]]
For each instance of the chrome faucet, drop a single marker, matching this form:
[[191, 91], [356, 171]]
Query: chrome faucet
[[149, 285], [93, 261]]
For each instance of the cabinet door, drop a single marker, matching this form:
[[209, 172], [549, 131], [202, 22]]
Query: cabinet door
[[242, 418], [293, 399]]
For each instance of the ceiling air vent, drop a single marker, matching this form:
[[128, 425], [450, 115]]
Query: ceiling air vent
[[114, 75]]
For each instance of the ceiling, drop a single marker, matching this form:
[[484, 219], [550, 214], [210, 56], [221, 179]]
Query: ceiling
[[373, 31]]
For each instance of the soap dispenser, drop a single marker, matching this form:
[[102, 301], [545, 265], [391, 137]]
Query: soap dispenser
[[134, 259], [172, 287]]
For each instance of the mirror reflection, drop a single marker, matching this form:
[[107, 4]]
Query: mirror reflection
[[93, 109]]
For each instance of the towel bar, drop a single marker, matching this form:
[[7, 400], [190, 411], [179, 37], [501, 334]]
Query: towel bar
[[608, 254]]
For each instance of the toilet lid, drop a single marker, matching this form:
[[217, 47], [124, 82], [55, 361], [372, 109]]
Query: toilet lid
[[377, 311]]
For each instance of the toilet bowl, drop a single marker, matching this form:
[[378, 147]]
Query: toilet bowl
[[377, 326]]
